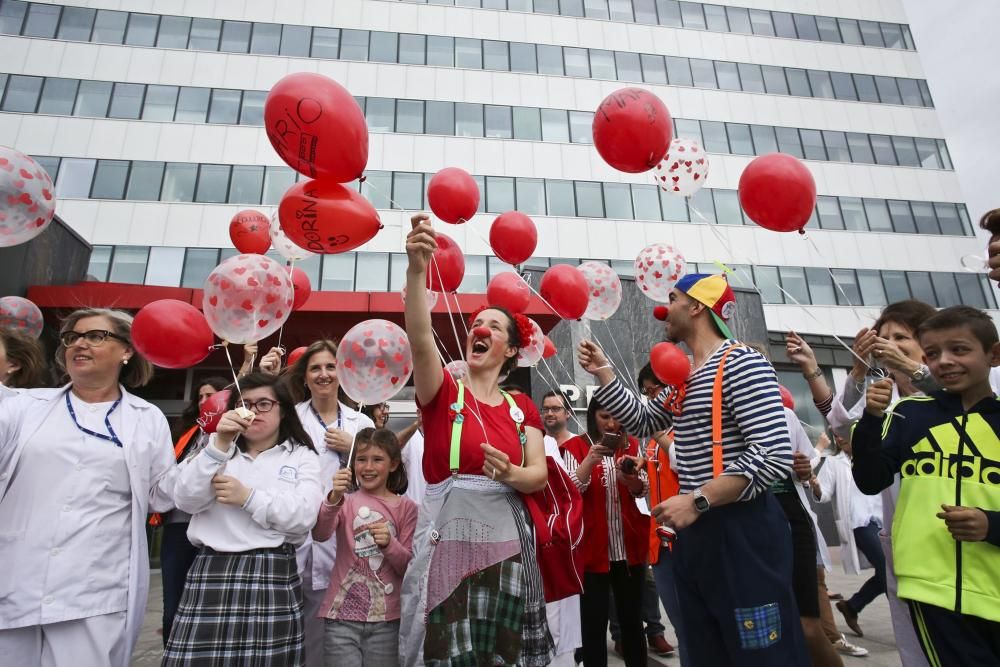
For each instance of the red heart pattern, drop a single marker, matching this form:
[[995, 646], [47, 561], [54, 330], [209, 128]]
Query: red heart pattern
[[686, 176]]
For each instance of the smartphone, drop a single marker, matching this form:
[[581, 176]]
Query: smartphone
[[614, 440]]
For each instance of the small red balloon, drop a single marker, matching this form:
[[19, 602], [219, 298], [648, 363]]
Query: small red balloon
[[172, 334], [786, 397], [300, 283], [453, 195], [513, 237], [509, 290], [326, 217], [317, 127], [566, 291], [447, 267], [212, 409], [250, 232], [778, 192], [670, 364], [549, 350], [632, 130], [295, 355], [660, 313]]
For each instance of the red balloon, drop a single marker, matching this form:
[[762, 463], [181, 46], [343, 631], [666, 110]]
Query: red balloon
[[786, 397], [453, 195], [660, 313], [566, 291], [326, 217], [295, 355], [447, 268], [316, 127], [670, 364], [778, 192], [632, 130], [509, 290], [172, 334], [513, 237], [212, 409], [250, 232], [300, 283], [549, 350]]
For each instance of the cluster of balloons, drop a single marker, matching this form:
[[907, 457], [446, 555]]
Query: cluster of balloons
[[27, 198], [374, 361]]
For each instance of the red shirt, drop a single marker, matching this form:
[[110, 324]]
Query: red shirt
[[501, 431]]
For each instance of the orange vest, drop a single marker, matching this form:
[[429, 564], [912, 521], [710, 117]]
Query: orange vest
[[663, 484]]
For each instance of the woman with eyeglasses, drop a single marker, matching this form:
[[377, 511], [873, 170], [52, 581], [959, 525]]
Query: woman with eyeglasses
[[378, 413], [80, 467], [254, 494]]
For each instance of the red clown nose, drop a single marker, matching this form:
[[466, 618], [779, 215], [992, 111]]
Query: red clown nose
[[660, 313], [481, 332]]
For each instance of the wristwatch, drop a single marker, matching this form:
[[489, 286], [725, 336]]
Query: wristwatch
[[920, 374], [701, 502]]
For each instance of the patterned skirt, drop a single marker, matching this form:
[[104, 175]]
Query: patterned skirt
[[239, 609]]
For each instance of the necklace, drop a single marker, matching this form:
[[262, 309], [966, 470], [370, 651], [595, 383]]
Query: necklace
[[708, 356]]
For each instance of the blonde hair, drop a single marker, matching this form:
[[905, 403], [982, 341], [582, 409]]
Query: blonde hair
[[138, 372]]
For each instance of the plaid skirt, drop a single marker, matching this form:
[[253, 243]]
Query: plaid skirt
[[239, 609]]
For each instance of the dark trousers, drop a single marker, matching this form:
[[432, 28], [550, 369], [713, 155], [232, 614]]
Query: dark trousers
[[733, 574], [626, 583], [650, 610], [950, 638], [176, 556], [869, 544]]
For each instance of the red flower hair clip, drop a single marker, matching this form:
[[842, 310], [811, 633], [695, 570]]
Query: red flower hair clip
[[524, 328]]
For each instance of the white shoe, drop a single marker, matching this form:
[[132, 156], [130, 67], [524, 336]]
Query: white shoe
[[847, 648]]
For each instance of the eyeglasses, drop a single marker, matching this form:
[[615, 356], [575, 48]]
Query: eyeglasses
[[262, 406], [94, 337], [555, 410]]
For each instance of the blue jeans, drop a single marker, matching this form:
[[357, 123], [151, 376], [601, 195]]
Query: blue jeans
[[867, 540], [176, 556], [663, 571]]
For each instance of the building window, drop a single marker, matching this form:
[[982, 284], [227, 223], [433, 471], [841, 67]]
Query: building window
[[530, 196], [498, 122], [76, 23], [703, 73], [499, 194], [678, 71], [559, 198], [145, 179], [653, 69], [872, 290], [22, 93], [174, 32], [160, 103], [100, 260], [793, 281], [527, 124], [821, 288], [646, 202], [58, 96], [495, 56], [589, 202], [618, 201], [128, 264], [576, 61], [412, 49], [946, 289], [902, 218], [555, 126], [295, 40], [775, 81], [252, 108], [277, 180], [440, 118], [75, 178], [468, 119], [165, 266], [325, 42], [921, 287], [246, 184], [178, 182], [198, 265], [408, 190], [581, 124], [372, 272], [109, 179], [213, 183], [225, 106]]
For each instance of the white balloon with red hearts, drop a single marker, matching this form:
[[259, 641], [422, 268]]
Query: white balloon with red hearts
[[530, 352], [284, 245], [374, 361], [605, 290], [684, 169], [247, 298], [27, 198], [657, 268]]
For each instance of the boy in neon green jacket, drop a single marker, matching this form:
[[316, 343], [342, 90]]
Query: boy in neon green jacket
[[946, 531]]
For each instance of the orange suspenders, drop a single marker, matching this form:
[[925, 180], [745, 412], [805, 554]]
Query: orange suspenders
[[717, 415]]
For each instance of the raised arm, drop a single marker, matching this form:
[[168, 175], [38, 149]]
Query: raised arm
[[798, 352], [427, 369], [640, 419]]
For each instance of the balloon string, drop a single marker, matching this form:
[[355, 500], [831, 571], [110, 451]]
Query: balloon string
[[631, 379], [555, 386], [291, 268], [354, 439], [236, 379]]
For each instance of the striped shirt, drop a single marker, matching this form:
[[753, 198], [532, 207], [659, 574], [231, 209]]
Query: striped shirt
[[755, 439]]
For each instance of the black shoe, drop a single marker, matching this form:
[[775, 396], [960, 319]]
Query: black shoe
[[850, 618]]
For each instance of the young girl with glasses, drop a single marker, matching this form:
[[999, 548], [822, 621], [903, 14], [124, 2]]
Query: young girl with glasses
[[253, 493]]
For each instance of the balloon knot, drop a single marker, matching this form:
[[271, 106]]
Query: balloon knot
[[802, 231]]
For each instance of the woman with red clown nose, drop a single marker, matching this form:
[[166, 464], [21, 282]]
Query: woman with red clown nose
[[473, 548]]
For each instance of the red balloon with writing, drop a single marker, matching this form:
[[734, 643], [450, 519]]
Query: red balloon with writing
[[249, 231], [211, 411], [632, 130], [317, 127], [172, 334], [327, 217]]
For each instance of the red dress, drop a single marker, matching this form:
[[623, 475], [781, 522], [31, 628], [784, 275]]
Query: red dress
[[500, 432]]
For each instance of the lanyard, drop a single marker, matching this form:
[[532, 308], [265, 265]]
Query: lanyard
[[107, 422], [340, 417]]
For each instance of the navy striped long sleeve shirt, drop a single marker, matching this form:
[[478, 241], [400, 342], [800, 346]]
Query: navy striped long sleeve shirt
[[755, 439]]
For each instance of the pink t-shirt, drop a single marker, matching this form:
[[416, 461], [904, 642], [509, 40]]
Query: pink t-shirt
[[366, 579]]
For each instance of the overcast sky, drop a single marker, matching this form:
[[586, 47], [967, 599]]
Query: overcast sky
[[959, 50]]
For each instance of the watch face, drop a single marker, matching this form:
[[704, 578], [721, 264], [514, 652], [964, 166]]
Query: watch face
[[701, 503]]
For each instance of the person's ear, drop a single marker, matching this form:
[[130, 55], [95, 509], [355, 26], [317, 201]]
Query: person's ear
[[995, 355]]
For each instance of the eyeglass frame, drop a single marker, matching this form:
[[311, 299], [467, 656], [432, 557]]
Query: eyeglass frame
[[105, 335], [554, 409], [254, 405]]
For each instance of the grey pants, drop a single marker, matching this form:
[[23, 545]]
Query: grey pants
[[359, 644]]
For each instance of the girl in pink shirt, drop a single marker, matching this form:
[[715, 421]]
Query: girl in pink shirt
[[374, 527]]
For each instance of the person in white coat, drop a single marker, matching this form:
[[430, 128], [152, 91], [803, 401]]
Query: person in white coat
[[332, 425], [254, 494], [80, 467]]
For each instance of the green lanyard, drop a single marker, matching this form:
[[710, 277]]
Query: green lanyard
[[458, 419]]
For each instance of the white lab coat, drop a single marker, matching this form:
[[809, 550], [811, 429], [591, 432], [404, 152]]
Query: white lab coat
[[835, 479], [802, 445], [149, 455]]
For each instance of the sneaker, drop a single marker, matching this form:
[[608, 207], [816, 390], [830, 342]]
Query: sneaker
[[659, 645], [850, 618], [847, 648]]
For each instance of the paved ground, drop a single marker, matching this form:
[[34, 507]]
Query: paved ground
[[875, 622]]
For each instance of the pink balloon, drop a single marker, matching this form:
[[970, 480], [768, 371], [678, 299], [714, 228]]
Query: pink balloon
[[374, 361], [605, 290], [19, 314], [531, 351], [247, 298], [657, 268], [27, 198]]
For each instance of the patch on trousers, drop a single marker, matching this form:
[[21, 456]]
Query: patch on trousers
[[759, 627]]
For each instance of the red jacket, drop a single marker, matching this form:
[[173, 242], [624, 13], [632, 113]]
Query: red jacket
[[595, 522]]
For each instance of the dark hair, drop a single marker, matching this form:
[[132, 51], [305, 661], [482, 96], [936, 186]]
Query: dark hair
[[26, 351], [561, 396], [976, 321], [513, 338], [512, 387], [592, 431], [991, 222], [191, 412], [385, 440], [910, 313], [290, 428], [646, 374], [295, 378], [138, 372], [369, 410]]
